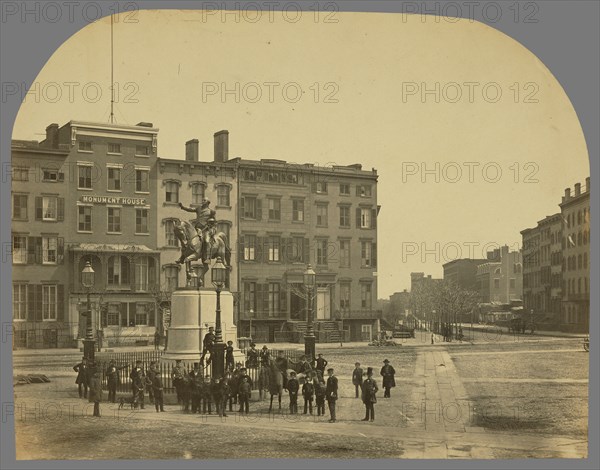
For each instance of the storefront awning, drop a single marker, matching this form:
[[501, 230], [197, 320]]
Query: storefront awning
[[112, 247]]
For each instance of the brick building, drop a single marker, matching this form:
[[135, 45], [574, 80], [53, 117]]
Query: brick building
[[463, 272]]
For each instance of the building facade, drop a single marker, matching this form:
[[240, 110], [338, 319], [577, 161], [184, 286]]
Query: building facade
[[575, 212], [500, 279], [463, 272]]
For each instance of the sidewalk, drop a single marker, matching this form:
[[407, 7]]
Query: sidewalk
[[504, 329]]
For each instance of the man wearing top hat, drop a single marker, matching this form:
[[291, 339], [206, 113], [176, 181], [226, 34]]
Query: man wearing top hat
[[331, 393], [196, 371], [369, 389], [387, 372]]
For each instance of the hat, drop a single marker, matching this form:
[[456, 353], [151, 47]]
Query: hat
[[330, 369], [357, 363], [292, 373], [265, 347], [252, 344], [320, 354], [196, 364], [385, 361], [369, 370], [229, 342]]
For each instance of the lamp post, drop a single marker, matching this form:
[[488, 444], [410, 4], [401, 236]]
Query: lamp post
[[309, 338], [218, 277], [87, 279]]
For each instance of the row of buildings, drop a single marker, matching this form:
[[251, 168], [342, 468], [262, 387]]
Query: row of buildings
[[547, 280], [103, 193]]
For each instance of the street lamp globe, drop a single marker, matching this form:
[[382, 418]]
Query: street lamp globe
[[87, 276], [219, 274], [309, 276]]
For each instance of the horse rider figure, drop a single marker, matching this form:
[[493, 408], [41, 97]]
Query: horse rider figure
[[205, 224]]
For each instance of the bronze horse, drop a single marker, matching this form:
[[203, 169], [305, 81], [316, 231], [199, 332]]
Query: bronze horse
[[191, 245]]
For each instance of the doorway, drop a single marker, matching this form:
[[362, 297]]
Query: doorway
[[323, 303]]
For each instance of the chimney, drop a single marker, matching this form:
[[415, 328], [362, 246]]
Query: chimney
[[52, 136], [577, 189], [587, 184], [567, 194], [192, 152], [221, 146]]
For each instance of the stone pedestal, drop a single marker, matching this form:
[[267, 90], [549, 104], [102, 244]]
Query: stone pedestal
[[192, 313]]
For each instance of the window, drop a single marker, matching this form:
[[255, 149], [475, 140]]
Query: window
[[85, 146], [172, 191], [298, 210], [197, 193], [170, 233], [142, 150], [249, 297], [144, 273], [366, 253], [223, 196], [496, 283], [273, 299], [274, 209], [49, 302], [141, 221], [249, 247], [345, 296], [249, 207], [172, 278], [113, 315], [363, 190], [345, 189], [141, 313], [20, 173], [365, 218], [297, 250], [344, 253], [225, 228], [273, 177], [19, 207], [19, 249], [322, 215], [114, 148], [345, 216], [321, 187], [274, 242], [321, 252], [50, 175], [49, 250], [114, 219], [249, 175], [84, 219], [585, 260], [19, 301], [49, 208], [114, 179], [365, 295], [142, 183], [118, 271], [85, 176]]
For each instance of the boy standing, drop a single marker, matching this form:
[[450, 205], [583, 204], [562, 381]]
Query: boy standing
[[308, 392], [357, 378], [331, 394], [206, 395], [319, 396], [244, 393], [293, 386], [157, 387]]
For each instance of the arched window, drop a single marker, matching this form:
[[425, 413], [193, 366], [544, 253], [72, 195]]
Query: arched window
[[579, 286], [579, 239], [198, 192], [579, 262], [170, 237], [118, 271]]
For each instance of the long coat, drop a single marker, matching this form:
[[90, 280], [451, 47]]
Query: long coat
[[357, 376], [331, 391], [369, 389], [95, 393], [83, 373], [388, 372]]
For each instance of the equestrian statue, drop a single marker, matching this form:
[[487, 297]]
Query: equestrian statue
[[200, 241]]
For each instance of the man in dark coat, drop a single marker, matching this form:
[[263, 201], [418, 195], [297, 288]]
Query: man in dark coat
[[138, 381], [283, 365], [156, 340], [331, 394], [369, 389], [319, 387], [224, 390], [207, 343], [197, 386], [387, 372], [229, 359], [308, 392], [252, 356], [304, 367], [293, 387], [83, 377], [113, 379], [158, 389], [357, 378], [150, 373], [177, 376], [265, 356], [321, 363], [207, 395]]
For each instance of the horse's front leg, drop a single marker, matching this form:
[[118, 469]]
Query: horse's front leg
[[271, 405], [279, 401]]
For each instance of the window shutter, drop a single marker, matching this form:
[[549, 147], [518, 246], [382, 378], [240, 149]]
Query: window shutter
[[285, 250], [283, 299], [38, 303], [132, 310], [357, 217], [38, 250], [60, 302], [31, 302], [151, 311], [265, 305], [152, 284], [104, 315], [38, 208], [123, 311], [132, 277], [60, 211], [258, 209], [60, 250], [373, 218], [30, 250], [242, 206], [374, 254], [241, 248], [258, 299], [306, 251]]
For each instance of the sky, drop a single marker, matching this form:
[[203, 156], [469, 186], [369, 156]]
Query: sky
[[473, 138]]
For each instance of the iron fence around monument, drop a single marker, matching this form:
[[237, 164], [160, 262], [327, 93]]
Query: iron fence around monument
[[126, 361]]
